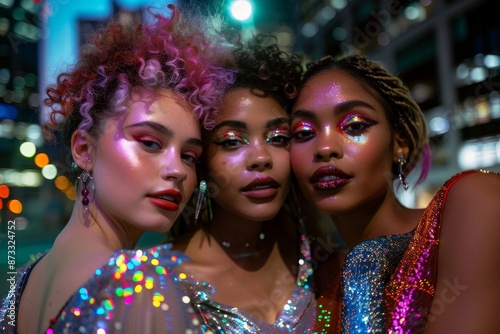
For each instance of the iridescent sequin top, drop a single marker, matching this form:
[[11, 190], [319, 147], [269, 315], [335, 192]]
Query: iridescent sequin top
[[137, 291], [388, 283], [297, 316]]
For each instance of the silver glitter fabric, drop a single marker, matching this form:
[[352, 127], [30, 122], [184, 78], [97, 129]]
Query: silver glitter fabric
[[367, 270], [297, 316]]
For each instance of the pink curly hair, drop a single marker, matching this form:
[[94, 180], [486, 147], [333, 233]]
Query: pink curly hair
[[188, 54]]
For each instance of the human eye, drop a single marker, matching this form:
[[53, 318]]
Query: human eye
[[356, 125], [303, 131], [191, 158], [231, 139], [148, 142], [279, 137]]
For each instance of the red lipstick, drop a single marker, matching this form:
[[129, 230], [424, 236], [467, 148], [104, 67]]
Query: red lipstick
[[167, 199], [261, 188], [329, 178]]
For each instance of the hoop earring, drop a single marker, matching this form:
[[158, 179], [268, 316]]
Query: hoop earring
[[201, 196], [402, 177], [85, 182]]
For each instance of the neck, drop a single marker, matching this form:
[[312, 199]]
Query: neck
[[94, 221], [239, 237], [384, 216]]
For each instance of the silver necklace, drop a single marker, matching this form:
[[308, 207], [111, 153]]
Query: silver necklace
[[227, 244]]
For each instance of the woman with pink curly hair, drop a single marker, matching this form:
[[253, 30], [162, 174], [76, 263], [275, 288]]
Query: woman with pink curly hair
[[130, 112]]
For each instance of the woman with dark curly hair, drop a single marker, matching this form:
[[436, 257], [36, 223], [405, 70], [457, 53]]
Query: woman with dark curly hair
[[250, 266], [130, 111], [357, 132]]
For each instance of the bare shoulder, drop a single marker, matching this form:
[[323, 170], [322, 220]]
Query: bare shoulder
[[469, 258], [471, 216], [475, 187]]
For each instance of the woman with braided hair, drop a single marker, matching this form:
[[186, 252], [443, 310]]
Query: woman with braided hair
[[131, 112], [356, 130]]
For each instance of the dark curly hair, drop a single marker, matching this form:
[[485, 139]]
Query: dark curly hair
[[188, 54], [404, 115], [262, 65]]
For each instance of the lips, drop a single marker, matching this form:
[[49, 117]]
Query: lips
[[167, 200], [329, 178], [261, 188]]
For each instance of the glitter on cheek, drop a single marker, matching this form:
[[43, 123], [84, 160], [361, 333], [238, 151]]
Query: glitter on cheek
[[358, 139]]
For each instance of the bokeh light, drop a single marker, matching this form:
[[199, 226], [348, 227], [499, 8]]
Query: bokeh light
[[4, 191], [41, 160], [49, 171], [15, 206], [61, 182], [28, 149], [241, 10]]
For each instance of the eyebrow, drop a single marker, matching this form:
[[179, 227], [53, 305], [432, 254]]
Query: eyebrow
[[164, 130], [277, 121], [230, 123], [242, 125], [340, 108]]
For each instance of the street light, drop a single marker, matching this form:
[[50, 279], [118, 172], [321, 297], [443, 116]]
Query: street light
[[241, 10]]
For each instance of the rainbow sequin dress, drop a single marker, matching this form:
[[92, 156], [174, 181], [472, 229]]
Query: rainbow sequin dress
[[137, 291]]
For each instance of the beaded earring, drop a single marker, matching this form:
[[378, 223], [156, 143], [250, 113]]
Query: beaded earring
[[85, 188]]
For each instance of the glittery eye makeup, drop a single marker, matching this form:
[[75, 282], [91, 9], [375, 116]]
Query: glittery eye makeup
[[280, 134], [304, 131], [354, 126], [303, 126], [231, 138]]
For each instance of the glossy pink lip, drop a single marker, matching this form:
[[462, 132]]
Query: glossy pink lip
[[261, 188], [329, 178], [166, 199]]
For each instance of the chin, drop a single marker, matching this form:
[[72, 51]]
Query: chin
[[262, 215]]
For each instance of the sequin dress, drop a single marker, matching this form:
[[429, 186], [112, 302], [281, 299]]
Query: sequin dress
[[137, 291], [297, 316], [388, 283]]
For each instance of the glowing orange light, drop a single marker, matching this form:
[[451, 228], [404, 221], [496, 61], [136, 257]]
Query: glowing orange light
[[4, 191], [61, 182], [1, 204], [15, 206], [41, 160], [70, 192]]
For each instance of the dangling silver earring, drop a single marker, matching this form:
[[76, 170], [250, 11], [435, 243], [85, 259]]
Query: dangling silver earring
[[402, 177], [201, 195], [85, 189]]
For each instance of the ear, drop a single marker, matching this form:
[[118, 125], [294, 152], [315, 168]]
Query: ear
[[400, 147], [82, 149]]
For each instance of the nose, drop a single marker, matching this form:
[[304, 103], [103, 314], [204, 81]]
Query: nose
[[173, 167], [259, 158], [327, 146]]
